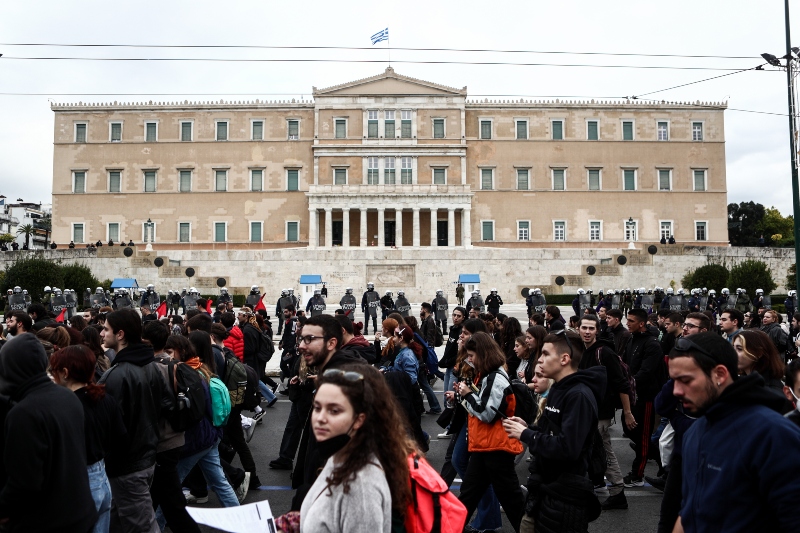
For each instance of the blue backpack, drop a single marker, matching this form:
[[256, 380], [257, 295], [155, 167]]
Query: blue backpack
[[432, 360]]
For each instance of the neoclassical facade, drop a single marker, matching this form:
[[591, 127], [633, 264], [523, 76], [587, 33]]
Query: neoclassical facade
[[390, 161]]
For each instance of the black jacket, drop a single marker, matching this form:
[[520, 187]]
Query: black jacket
[[560, 440], [44, 450], [448, 360], [621, 339], [646, 362], [43, 323], [138, 387], [616, 382], [252, 343]]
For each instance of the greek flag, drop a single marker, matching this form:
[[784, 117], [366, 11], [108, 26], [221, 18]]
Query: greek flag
[[382, 35]]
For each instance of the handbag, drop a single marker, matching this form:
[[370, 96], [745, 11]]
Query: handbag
[[666, 443], [444, 419]]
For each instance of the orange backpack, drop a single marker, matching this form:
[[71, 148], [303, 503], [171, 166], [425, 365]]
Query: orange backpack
[[433, 508]]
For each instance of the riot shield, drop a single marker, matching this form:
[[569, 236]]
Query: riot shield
[[440, 305], [684, 303], [190, 300], [17, 302], [539, 303], [153, 300], [87, 298], [703, 303], [615, 302], [98, 300], [648, 301], [59, 304], [252, 301], [767, 302], [584, 301], [731, 301], [71, 303], [28, 300], [373, 302], [674, 303], [317, 305], [402, 306], [348, 304]]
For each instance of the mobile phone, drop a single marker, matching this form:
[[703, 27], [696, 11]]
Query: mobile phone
[[499, 413]]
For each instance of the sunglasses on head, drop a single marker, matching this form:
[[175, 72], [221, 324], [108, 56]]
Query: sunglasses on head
[[684, 344], [566, 338], [349, 375]]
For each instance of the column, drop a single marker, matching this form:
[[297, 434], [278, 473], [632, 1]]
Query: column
[[328, 227], [466, 228], [313, 227], [346, 227], [363, 229], [381, 211], [451, 226], [434, 217], [415, 228], [398, 228]]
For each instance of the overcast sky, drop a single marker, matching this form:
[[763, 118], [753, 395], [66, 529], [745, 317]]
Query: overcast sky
[[757, 149]]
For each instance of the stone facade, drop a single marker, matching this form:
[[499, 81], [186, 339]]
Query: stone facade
[[390, 161]]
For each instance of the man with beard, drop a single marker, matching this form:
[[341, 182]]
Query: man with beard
[[17, 323], [737, 474]]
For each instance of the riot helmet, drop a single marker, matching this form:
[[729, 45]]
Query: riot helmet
[[726, 292], [370, 286], [439, 292], [47, 288], [317, 292], [348, 290], [17, 290], [581, 291], [759, 292], [401, 293], [669, 290]]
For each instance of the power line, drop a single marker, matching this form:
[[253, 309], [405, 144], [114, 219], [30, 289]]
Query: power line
[[243, 60], [699, 81], [409, 49]]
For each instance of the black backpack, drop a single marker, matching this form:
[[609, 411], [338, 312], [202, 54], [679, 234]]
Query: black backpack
[[438, 337], [252, 394], [190, 395], [266, 348], [598, 461], [526, 407]]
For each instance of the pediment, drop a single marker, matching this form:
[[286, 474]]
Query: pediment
[[389, 83]]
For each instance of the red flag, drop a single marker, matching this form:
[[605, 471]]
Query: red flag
[[61, 316], [162, 310], [209, 303], [260, 305]]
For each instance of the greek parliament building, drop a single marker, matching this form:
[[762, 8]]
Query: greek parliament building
[[390, 162]]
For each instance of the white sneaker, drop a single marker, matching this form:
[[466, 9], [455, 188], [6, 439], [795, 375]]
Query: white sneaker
[[191, 498], [241, 490], [445, 435]]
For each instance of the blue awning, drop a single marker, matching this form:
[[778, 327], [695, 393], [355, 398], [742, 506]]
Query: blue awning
[[310, 279], [469, 278], [124, 283]]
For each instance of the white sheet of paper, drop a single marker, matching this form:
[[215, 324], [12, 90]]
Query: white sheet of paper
[[250, 518]]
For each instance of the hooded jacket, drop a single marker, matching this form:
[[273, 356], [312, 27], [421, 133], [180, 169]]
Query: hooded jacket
[[646, 363], [448, 360], [738, 473], [601, 354], [45, 453], [361, 347], [560, 440], [136, 383]]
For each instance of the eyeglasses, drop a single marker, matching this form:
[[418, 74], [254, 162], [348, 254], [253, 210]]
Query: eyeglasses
[[308, 339], [690, 326], [683, 344], [566, 338], [349, 375]]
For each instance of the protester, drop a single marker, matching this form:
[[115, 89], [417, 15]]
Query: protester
[[757, 353]]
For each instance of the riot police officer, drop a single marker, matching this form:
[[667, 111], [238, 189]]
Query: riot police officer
[[69, 296], [316, 304], [476, 301], [348, 304], [190, 299], [440, 309], [175, 302], [295, 301], [743, 302], [493, 302], [283, 302], [627, 302], [87, 298], [539, 301], [387, 305], [253, 298], [224, 297], [370, 301], [694, 301], [725, 300], [150, 298], [47, 298], [16, 300], [58, 302], [27, 298], [401, 305]]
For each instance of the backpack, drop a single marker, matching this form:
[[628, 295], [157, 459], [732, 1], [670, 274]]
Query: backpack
[[252, 394], [598, 461], [431, 359], [265, 348], [220, 402], [625, 372], [235, 377], [526, 407], [433, 508], [438, 337], [190, 396]]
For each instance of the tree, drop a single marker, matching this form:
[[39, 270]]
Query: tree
[[28, 230], [6, 238], [32, 274], [78, 278], [708, 276], [777, 229], [743, 221], [751, 275]]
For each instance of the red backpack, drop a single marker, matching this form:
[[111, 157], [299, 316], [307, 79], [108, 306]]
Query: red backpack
[[433, 508]]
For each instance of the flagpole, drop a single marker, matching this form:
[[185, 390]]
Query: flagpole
[[389, 48]]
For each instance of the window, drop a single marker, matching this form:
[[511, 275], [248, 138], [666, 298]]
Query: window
[[185, 181], [292, 179], [627, 130], [406, 171], [112, 231], [255, 231], [631, 230], [594, 179], [557, 129], [373, 176], [522, 129], [258, 130], [148, 235], [486, 129], [523, 179], [114, 181], [405, 124], [184, 231], [149, 181], [340, 176], [222, 130], [77, 232], [293, 126], [256, 180], [700, 231], [592, 130], [699, 180], [79, 182], [487, 230], [220, 180], [388, 171], [439, 176], [220, 231], [487, 179], [388, 126], [341, 128], [662, 129], [80, 133], [664, 179], [151, 132], [559, 230], [186, 131], [438, 128], [523, 230], [116, 133], [595, 230], [372, 124], [293, 231], [629, 180], [697, 131], [559, 183], [665, 229]]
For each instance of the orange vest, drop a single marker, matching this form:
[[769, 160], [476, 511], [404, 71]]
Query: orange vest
[[483, 437]]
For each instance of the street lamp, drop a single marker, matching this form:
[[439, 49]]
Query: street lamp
[[631, 230], [149, 228]]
